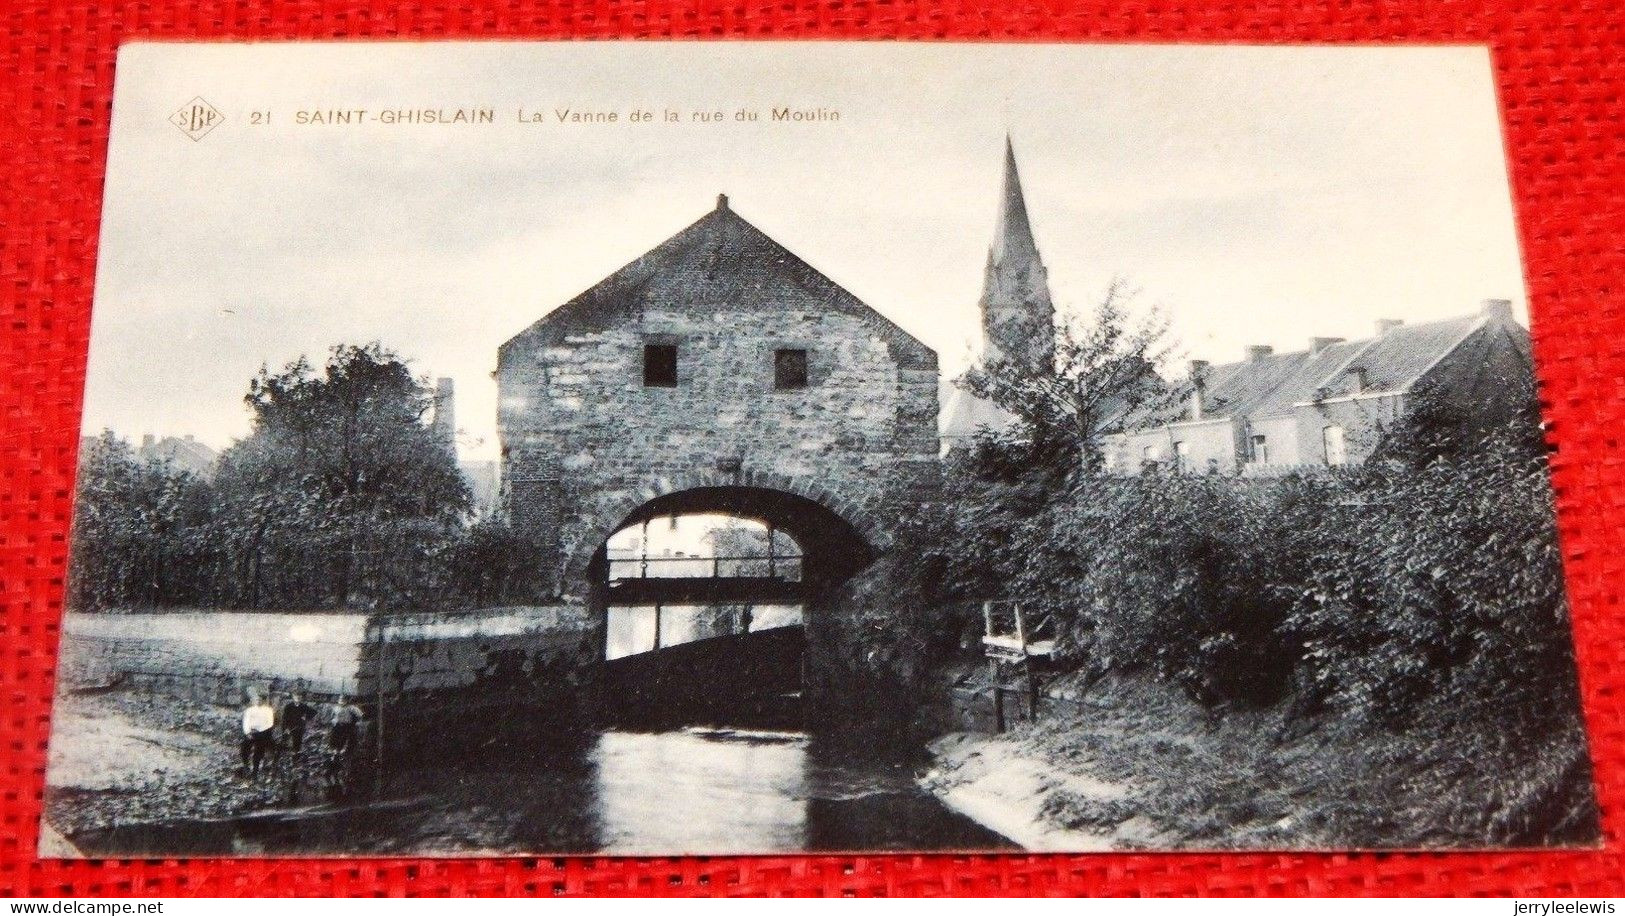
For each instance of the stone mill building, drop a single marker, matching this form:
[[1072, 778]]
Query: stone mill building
[[718, 372]]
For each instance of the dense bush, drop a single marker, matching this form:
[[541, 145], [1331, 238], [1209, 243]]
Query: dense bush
[[1438, 578], [493, 563], [1432, 568], [1179, 574]]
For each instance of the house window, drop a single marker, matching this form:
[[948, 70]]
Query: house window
[[1337, 451], [1260, 450], [789, 368], [1182, 456], [660, 366]]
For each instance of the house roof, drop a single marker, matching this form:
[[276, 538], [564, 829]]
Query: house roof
[[964, 414], [1274, 384], [1312, 370], [1391, 362], [1235, 389], [186, 453], [720, 258], [1396, 359]]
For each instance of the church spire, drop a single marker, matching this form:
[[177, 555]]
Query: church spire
[[1018, 318], [1013, 234]]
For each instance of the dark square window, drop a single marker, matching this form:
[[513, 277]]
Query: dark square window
[[789, 368], [660, 366]]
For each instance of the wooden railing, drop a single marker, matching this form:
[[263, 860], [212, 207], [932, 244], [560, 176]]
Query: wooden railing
[[710, 567], [1011, 639]]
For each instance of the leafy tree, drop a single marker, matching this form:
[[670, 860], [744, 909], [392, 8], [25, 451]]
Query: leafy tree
[[341, 495], [139, 531], [1105, 367], [744, 544], [495, 563], [1006, 532]]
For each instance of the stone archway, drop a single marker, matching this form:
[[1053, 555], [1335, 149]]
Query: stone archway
[[739, 674], [791, 503]]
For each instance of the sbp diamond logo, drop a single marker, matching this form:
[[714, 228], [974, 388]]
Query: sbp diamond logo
[[196, 118]]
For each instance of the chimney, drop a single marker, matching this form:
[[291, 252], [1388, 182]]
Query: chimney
[[1317, 344], [1496, 309], [1384, 325], [1257, 352], [443, 423], [1357, 378], [188, 438], [722, 201], [147, 440], [1198, 387]]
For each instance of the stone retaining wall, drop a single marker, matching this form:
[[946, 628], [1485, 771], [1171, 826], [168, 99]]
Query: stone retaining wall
[[216, 655], [213, 655], [450, 651]]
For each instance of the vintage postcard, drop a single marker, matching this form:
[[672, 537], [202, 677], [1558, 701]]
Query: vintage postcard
[[698, 448]]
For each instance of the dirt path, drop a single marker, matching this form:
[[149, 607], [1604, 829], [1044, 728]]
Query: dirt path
[[128, 757], [994, 783]]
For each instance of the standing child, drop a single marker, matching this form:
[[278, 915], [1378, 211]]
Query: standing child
[[346, 718], [296, 716], [259, 739]]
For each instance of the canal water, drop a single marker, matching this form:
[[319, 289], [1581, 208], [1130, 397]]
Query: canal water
[[686, 790]]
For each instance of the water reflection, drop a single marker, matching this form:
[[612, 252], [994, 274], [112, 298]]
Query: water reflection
[[699, 791], [690, 790]]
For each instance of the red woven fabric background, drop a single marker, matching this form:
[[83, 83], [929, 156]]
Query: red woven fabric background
[[1561, 81]]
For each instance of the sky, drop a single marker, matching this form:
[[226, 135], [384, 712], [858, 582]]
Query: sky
[[1257, 195]]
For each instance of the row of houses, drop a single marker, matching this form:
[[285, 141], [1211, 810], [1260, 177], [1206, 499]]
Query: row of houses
[[1331, 403]]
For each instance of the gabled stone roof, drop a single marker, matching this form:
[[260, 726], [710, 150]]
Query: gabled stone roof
[[719, 259]]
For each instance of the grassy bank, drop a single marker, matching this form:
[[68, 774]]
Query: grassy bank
[[1138, 765]]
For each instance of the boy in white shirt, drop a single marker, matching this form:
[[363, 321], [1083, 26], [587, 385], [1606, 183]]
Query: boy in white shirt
[[259, 720]]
